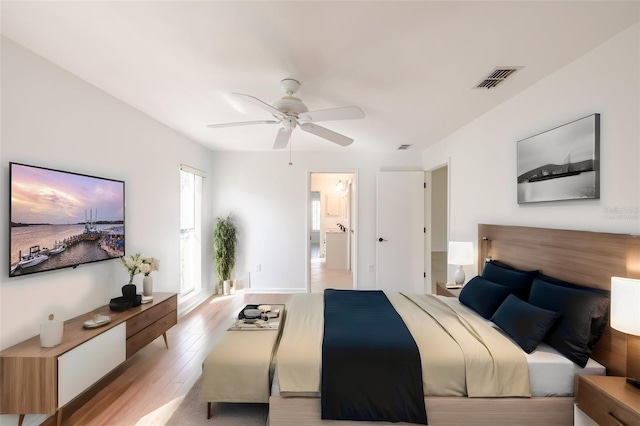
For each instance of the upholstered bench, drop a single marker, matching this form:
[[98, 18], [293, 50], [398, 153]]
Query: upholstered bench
[[239, 368]]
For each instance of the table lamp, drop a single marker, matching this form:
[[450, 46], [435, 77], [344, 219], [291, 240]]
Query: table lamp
[[625, 312], [460, 253]]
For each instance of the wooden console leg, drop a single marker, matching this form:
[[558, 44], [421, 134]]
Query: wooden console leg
[[59, 417], [20, 419], [208, 410], [166, 343]]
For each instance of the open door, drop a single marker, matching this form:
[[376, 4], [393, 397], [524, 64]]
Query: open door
[[332, 231], [437, 225]]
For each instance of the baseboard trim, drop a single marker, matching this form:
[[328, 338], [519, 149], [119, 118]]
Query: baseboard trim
[[274, 290]]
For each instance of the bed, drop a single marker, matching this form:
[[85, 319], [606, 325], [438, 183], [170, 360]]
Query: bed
[[587, 258]]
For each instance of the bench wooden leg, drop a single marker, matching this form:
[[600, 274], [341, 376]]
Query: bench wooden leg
[[20, 419], [166, 343], [208, 410]]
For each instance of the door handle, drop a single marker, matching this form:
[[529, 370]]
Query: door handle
[[381, 239]]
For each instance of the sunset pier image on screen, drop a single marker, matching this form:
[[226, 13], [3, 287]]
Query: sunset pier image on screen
[[62, 219]]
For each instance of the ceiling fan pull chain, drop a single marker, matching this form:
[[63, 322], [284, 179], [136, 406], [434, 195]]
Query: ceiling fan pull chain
[[290, 143]]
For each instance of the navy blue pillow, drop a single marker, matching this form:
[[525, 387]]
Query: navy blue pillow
[[484, 296], [533, 273], [519, 280], [572, 333], [563, 283], [527, 324], [599, 322]]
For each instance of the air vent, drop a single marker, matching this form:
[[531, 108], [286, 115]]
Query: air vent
[[496, 77], [404, 147]]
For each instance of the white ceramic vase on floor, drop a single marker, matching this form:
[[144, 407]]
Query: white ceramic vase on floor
[[147, 285]]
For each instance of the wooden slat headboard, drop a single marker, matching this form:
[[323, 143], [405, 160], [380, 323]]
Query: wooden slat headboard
[[581, 257]]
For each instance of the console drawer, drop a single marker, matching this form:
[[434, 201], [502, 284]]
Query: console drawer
[[149, 316], [150, 333]]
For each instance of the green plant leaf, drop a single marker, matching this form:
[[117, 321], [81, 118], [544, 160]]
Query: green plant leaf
[[224, 246]]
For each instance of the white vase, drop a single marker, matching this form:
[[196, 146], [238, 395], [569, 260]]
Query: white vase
[[51, 333], [147, 285], [226, 286]]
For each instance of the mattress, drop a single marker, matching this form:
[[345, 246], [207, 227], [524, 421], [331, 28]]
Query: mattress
[[550, 373]]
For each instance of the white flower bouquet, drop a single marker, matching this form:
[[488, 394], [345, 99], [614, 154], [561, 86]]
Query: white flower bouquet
[[149, 265], [138, 264]]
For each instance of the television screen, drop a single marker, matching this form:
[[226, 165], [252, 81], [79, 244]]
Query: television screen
[[61, 219]]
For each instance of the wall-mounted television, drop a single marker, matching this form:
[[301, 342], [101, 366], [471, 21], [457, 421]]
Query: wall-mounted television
[[60, 219]]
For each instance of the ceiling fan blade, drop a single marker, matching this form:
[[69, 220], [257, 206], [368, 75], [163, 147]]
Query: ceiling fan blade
[[241, 123], [327, 134], [342, 113], [282, 139], [257, 102]]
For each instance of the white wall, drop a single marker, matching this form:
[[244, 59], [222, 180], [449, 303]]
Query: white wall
[[53, 119], [269, 199], [483, 153]]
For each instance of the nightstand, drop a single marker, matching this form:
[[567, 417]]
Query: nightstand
[[442, 290], [608, 400]]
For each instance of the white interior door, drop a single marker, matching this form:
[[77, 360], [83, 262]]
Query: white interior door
[[400, 229]]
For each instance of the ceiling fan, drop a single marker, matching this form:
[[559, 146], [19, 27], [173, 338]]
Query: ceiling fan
[[290, 112]]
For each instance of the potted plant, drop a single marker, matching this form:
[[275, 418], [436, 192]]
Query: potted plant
[[224, 248]]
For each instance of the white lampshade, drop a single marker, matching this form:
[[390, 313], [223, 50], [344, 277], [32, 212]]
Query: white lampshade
[[460, 253], [625, 305]]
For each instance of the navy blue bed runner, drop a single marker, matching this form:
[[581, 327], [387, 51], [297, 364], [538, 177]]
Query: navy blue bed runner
[[370, 363]]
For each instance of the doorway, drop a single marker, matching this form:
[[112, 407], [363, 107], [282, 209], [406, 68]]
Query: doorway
[[332, 231], [438, 225]]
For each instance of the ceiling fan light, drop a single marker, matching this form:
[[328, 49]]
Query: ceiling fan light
[[289, 124]]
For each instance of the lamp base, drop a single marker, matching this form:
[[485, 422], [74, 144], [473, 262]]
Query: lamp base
[[633, 382], [458, 277]]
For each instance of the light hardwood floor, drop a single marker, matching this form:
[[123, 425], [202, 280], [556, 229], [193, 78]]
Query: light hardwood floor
[[146, 389]]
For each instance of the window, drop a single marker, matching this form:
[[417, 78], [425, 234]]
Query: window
[[190, 231], [315, 215]]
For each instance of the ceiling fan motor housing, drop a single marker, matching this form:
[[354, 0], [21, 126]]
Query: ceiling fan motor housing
[[290, 105]]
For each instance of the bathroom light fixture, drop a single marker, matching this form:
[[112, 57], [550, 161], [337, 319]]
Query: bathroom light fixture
[[460, 253]]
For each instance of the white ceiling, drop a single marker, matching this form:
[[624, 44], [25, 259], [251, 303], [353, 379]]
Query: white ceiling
[[410, 66]]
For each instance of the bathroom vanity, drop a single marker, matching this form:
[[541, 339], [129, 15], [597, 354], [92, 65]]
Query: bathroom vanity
[[337, 250]]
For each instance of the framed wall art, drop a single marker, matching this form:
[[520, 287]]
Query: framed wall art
[[561, 163]]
